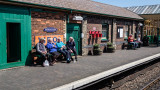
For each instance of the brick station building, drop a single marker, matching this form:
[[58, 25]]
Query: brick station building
[[23, 22]]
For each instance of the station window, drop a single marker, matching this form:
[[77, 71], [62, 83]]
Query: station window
[[105, 31], [126, 32], [119, 32]]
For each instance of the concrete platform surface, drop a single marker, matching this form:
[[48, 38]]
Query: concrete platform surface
[[45, 78]]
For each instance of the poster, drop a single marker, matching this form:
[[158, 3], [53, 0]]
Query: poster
[[121, 32], [46, 37]]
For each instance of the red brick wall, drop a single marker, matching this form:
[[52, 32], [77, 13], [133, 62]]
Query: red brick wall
[[91, 40], [41, 20], [96, 22]]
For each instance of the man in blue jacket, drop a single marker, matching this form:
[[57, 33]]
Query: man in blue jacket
[[52, 50]]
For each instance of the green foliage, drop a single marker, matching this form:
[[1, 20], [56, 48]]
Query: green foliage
[[110, 47], [96, 49], [95, 46], [109, 44]]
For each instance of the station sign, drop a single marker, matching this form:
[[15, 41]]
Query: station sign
[[50, 29]]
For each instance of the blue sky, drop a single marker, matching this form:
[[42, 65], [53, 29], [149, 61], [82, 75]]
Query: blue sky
[[127, 3]]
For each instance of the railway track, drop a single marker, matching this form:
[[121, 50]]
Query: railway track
[[131, 80], [154, 85]]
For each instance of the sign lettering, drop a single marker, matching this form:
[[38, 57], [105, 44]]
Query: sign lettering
[[50, 30], [54, 37]]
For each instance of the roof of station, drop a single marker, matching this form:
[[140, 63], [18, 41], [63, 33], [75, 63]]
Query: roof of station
[[88, 6], [147, 9]]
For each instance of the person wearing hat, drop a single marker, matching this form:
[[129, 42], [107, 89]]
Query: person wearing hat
[[62, 49], [41, 50]]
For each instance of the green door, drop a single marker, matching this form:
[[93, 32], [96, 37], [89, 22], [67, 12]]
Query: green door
[[74, 30], [15, 36]]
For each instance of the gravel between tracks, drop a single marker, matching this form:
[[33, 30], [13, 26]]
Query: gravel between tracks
[[134, 79], [139, 79]]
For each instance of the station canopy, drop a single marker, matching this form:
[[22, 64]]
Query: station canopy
[[147, 9]]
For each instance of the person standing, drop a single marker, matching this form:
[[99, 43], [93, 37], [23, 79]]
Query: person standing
[[62, 49], [71, 47]]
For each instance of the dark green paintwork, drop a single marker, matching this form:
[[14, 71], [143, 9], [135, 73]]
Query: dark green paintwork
[[151, 38], [11, 14], [74, 30]]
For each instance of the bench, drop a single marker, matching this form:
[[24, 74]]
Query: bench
[[128, 46], [35, 57]]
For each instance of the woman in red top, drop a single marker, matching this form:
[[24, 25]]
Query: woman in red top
[[130, 40]]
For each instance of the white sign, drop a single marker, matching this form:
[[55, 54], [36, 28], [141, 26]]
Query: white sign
[[121, 32], [82, 35], [77, 18], [94, 28]]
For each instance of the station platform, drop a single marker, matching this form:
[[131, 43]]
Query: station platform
[[62, 75]]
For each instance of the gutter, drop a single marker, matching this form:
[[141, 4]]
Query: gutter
[[74, 10]]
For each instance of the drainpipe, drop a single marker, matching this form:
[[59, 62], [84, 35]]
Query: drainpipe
[[112, 32], [157, 36], [68, 16], [128, 30]]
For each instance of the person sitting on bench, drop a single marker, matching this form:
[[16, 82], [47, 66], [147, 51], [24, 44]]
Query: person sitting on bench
[[71, 47], [52, 50], [41, 50], [62, 49], [138, 41], [130, 40]]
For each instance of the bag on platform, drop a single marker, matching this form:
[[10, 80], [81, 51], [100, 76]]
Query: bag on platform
[[46, 63]]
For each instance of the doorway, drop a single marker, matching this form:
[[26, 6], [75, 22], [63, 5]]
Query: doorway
[[13, 42], [74, 30]]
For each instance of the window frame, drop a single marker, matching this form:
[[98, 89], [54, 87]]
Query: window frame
[[118, 34], [107, 32]]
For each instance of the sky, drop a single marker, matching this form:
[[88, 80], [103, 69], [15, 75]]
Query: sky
[[129, 3]]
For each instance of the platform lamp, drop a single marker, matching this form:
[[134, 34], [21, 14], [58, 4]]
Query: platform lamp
[[140, 29]]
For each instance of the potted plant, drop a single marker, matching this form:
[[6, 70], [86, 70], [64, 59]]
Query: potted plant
[[109, 44], [96, 49], [110, 48]]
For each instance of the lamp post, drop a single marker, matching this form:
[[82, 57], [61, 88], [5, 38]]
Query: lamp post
[[140, 29]]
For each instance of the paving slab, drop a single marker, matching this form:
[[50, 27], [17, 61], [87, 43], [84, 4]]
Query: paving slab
[[45, 78]]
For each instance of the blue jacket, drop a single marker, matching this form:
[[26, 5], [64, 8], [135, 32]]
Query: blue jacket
[[59, 45], [50, 47]]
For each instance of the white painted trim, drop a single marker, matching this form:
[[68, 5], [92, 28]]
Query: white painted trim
[[113, 71]]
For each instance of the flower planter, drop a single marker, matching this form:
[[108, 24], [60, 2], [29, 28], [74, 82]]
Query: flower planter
[[110, 50], [96, 50]]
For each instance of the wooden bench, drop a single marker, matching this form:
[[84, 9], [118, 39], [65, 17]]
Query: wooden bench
[[35, 57], [128, 46]]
